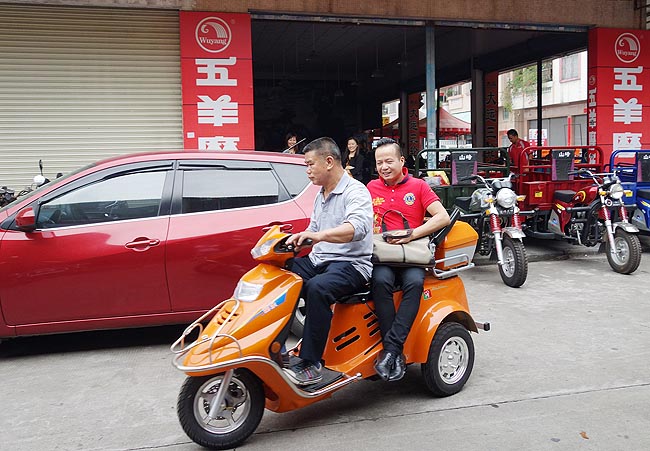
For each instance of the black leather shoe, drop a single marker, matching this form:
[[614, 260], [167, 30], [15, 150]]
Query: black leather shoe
[[399, 369], [384, 364]]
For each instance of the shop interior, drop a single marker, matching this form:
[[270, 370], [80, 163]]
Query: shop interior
[[324, 76]]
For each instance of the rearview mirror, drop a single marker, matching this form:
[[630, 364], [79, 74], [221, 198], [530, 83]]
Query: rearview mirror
[[26, 220]]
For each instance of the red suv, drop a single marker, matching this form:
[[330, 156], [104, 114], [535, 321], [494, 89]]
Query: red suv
[[142, 239]]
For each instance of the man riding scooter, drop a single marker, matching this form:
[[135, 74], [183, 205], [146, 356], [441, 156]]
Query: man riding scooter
[[396, 192], [339, 263]]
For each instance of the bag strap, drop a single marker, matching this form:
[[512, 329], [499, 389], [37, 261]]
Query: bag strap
[[383, 224]]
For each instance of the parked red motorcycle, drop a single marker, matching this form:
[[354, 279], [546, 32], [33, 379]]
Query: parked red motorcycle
[[585, 217]]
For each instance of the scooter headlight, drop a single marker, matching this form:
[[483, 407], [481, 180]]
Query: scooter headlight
[[247, 292], [263, 249], [506, 198], [616, 191]]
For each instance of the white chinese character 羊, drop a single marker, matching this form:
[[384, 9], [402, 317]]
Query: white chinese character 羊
[[628, 81], [217, 112], [592, 138], [219, 143], [592, 117], [627, 141], [217, 75], [627, 112], [592, 98]]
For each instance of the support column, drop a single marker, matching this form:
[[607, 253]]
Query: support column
[[431, 100], [403, 120], [539, 103], [478, 108]]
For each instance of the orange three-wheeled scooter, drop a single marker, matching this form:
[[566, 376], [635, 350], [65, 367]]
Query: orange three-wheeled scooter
[[235, 363]]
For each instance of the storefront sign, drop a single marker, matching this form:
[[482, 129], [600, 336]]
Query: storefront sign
[[414, 123], [217, 81], [618, 89], [491, 108]]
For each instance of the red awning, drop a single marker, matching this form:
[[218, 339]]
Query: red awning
[[450, 124]]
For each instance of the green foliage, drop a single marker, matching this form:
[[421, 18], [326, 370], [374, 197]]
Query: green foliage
[[524, 82]]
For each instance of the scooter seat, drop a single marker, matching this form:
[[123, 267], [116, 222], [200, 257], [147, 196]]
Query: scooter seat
[[356, 298], [463, 202], [643, 192], [564, 195]]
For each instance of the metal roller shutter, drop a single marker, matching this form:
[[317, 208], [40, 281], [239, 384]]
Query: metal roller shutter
[[81, 84]]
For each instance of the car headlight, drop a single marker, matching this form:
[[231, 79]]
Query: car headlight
[[616, 191], [247, 292], [506, 198], [263, 249]]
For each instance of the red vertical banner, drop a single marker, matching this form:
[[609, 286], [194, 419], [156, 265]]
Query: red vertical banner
[[414, 123], [618, 89], [217, 81], [491, 109]]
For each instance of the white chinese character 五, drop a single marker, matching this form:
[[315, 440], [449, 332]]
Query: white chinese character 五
[[627, 112], [219, 143], [627, 78], [627, 141], [217, 112], [592, 98], [217, 75]]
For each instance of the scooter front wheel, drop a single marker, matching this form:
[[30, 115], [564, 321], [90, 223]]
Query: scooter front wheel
[[233, 421], [625, 258], [514, 269], [450, 360]]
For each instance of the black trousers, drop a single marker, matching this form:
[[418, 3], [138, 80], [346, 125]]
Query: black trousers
[[322, 285], [395, 326]]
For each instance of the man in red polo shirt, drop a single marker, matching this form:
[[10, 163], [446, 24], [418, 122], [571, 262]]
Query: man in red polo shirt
[[397, 190], [516, 148]]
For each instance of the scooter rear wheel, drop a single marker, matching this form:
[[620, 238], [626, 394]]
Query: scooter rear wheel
[[627, 253], [241, 412], [450, 361]]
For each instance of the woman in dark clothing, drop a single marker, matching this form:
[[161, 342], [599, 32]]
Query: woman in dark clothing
[[353, 159]]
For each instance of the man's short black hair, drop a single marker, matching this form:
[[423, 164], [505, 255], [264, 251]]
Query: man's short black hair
[[389, 141], [512, 132], [324, 147]]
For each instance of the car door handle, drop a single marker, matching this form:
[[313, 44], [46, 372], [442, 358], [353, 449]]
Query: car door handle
[[142, 244], [283, 226]]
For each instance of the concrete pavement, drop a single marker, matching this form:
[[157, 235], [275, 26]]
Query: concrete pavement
[[564, 367]]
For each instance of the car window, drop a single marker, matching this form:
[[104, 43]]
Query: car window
[[293, 176], [127, 196], [221, 189]]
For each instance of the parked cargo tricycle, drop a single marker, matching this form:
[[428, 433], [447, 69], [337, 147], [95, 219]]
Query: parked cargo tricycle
[[493, 212], [633, 168], [574, 200], [235, 363]]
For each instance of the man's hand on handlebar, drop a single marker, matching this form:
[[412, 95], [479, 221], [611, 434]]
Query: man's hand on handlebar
[[305, 238]]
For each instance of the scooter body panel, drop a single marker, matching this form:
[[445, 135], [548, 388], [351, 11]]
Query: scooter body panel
[[254, 325]]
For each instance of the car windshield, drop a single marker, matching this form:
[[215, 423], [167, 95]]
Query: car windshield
[[40, 188]]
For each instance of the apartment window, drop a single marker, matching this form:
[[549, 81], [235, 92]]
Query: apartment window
[[570, 67]]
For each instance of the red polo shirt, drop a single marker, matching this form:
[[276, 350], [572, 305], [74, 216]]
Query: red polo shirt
[[411, 197], [515, 150]]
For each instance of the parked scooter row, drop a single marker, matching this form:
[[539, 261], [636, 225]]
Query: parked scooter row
[[7, 195]]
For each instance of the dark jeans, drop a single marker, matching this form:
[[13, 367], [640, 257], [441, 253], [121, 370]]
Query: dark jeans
[[322, 286], [395, 326]]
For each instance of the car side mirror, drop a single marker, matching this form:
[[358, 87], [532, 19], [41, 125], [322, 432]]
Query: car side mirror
[[26, 220]]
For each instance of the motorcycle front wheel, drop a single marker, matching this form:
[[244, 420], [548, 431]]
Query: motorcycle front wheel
[[237, 417], [514, 269], [625, 258], [450, 360]]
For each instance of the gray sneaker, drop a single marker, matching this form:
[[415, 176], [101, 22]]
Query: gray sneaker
[[305, 373]]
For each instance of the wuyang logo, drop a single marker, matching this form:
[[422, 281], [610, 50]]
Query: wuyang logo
[[213, 34]]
